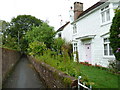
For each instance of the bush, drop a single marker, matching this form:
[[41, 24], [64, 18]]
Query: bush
[[112, 65], [36, 48], [115, 35], [58, 42], [10, 43]]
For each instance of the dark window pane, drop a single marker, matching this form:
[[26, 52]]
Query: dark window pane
[[108, 15], [105, 49], [105, 52], [110, 51], [59, 35]]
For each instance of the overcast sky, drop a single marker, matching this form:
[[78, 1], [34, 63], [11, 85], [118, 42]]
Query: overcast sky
[[42, 9]]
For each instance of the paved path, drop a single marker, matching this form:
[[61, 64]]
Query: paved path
[[24, 76]]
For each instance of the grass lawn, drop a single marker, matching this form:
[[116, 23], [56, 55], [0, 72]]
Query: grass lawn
[[100, 78]]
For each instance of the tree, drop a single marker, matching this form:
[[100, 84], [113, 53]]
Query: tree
[[19, 26], [115, 35], [22, 23], [43, 33]]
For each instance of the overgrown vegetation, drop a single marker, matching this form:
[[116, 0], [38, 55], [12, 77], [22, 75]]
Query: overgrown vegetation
[[96, 77]]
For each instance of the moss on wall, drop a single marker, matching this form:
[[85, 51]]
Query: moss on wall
[[53, 77]]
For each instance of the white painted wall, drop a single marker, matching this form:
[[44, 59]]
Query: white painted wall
[[66, 33], [91, 25]]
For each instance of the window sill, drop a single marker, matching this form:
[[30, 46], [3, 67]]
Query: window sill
[[109, 57], [106, 23], [74, 34]]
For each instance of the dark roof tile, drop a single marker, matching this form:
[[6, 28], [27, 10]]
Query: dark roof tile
[[61, 28]]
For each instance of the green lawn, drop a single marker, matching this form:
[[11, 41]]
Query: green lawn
[[100, 78]]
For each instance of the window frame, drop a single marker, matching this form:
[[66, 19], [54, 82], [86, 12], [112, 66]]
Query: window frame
[[104, 12], [75, 47], [107, 42]]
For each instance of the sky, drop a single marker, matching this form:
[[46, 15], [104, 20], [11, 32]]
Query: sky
[[51, 10]]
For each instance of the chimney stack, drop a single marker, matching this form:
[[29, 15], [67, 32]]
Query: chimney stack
[[78, 9]]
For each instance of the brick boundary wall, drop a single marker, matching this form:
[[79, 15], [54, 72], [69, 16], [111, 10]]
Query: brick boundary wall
[[9, 59], [52, 77]]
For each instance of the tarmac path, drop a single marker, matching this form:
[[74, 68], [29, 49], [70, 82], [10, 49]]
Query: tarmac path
[[24, 76]]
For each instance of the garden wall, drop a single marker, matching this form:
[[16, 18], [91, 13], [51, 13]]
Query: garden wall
[[9, 59], [52, 77]]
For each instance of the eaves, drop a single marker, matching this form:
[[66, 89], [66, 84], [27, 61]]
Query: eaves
[[106, 3]]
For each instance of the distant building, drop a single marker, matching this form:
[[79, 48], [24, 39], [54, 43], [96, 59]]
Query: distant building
[[65, 32]]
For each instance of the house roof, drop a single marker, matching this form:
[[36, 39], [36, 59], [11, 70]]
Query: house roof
[[62, 27], [92, 7]]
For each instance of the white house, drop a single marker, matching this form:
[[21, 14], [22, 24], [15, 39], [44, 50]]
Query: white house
[[91, 32], [65, 32]]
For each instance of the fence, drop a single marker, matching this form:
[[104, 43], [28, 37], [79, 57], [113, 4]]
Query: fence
[[82, 86]]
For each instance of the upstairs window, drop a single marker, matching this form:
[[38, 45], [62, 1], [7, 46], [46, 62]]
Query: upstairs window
[[74, 29], [105, 14], [107, 48]]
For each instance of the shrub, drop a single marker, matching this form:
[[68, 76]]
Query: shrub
[[58, 42], [115, 35], [36, 48], [112, 65]]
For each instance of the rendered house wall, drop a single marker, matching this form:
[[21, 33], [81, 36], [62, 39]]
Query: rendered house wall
[[91, 25]]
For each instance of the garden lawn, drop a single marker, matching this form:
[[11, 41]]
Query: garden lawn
[[100, 78]]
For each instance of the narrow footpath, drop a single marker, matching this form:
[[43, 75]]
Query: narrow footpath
[[24, 76]]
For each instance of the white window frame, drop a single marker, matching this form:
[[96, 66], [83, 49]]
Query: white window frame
[[75, 47], [108, 47], [107, 17]]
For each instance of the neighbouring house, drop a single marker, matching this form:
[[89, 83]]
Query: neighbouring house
[[91, 29], [65, 32]]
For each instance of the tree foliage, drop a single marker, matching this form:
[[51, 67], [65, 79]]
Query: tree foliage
[[57, 44], [36, 48], [43, 33], [115, 35], [22, 23], [17, 29]]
